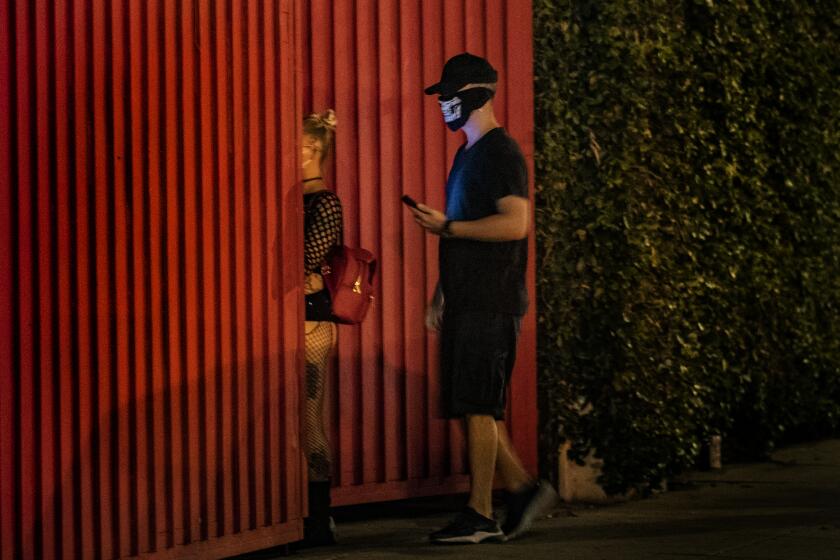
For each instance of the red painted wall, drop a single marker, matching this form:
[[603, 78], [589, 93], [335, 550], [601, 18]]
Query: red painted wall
[[148, 378], [150, 263], [370, 61]]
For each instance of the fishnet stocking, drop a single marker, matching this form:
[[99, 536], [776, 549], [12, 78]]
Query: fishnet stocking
[[320, 340]]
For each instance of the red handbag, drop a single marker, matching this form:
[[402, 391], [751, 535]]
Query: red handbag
[[348, 275]]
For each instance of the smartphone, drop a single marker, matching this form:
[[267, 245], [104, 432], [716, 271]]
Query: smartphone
[[409, 201]]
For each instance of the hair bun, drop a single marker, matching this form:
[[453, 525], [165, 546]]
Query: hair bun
[[328, 119]]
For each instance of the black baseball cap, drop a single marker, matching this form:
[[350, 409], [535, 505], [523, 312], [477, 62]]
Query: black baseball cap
[[463, 69]]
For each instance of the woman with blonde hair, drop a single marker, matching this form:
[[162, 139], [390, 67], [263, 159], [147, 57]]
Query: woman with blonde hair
[[322, 232]]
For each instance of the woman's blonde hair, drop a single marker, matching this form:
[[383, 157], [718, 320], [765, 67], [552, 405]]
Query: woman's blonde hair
[[321, 126]]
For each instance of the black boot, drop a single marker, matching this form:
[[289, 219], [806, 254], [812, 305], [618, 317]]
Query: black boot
[[319, 528]]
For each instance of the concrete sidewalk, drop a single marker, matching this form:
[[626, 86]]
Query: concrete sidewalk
[[786, 509]]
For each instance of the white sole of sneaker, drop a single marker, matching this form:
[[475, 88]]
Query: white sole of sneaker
[[541, 504], [475, 538]]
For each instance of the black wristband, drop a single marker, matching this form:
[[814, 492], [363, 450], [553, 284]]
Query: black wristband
[[446, 232]]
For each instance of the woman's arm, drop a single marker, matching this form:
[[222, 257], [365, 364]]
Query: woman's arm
[[323, 233]]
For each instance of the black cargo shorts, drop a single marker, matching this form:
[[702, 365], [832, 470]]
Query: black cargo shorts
[[477, 354]]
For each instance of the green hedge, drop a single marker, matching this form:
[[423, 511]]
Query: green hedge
[[688, 217]]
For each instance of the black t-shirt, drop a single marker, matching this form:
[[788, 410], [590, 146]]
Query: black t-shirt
[[483, 275]]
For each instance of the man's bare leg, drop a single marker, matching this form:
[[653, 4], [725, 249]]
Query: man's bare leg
[[508, 464], [482, 445]]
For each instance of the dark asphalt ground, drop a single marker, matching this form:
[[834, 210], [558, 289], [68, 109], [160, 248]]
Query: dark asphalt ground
[[784, 509]]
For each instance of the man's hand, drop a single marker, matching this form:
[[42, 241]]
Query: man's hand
[[434, 311], [434, 317], [429, 219]]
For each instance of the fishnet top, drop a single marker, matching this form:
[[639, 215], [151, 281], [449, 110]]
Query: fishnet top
[[322, 228]]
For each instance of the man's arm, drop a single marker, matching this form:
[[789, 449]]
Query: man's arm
[[509, 224]]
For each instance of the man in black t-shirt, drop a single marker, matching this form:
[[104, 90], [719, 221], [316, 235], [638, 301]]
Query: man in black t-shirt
[[481, 297]]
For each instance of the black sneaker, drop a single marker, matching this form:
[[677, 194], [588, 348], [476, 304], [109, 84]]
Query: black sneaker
[[468, 527], [527, 505]]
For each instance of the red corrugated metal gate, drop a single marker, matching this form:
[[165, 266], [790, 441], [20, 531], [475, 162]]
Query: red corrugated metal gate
[[150, 263]]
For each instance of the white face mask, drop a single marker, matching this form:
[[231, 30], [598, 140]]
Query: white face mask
[[451, 109], [457, 109]]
